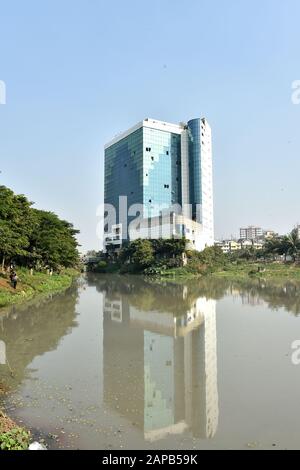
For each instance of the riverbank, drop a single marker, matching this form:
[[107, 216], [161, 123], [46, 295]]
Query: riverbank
[[268, 271], [227, 270], [12, 436], [31, 285]]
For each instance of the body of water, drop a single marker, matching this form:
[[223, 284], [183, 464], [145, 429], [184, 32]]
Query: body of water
[[122, 362]]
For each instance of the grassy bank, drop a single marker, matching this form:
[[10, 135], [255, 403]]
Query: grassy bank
[[227, 270], [279, 271], [232, 271], [12, 436], [32, 285]]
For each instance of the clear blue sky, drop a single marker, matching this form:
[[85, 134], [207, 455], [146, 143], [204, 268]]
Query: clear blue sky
[[79, 71]]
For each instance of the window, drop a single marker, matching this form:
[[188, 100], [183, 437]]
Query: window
[[150, 200], [166, 186], [167, 152], [152, 158]]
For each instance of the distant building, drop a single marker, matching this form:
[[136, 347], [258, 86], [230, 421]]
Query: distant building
[[257, 244], [230, 246], [251, 233], [298, 229], [269, 234]]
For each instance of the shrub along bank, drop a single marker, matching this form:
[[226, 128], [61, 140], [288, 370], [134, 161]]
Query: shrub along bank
[[169, 258]]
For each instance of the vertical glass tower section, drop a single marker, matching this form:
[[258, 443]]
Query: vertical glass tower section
[[162, 171], [124, 171], [200, 176]]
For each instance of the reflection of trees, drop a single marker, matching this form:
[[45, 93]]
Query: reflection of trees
[[31, 330], [149, 295], [275, 294], [178, 296]]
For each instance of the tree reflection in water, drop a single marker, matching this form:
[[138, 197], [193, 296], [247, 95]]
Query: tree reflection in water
[[31, 330]]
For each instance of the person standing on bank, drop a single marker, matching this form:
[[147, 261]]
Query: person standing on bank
[[12, 273], [15, 280]]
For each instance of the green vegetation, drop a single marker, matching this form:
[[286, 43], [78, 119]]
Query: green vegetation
[[34, 238], [171, 258], [146, 255], [143, 257], [161, 258], [12, 437], [31, 285], [41, 247], [16, 439], [268, 270], [287, 245]]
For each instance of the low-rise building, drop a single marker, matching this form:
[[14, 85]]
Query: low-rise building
[[269, 234], [230, 246], [258, 245]]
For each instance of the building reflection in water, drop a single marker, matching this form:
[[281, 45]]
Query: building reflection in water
[[160, 368]]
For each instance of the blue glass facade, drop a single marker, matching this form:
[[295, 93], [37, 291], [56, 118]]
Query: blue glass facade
[[124, 171], [194, 130], [145, 166], [162, 170]]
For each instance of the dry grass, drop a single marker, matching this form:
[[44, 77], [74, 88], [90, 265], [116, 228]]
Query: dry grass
[[6, 424]]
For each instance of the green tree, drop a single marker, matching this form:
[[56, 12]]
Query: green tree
[[16, 224], [291, 244], [53, 241], [287, 245], [169, 248], [212, 256], [28, 235], [140, 252]]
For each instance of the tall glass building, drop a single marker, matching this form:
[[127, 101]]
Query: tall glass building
[[160, 166]]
